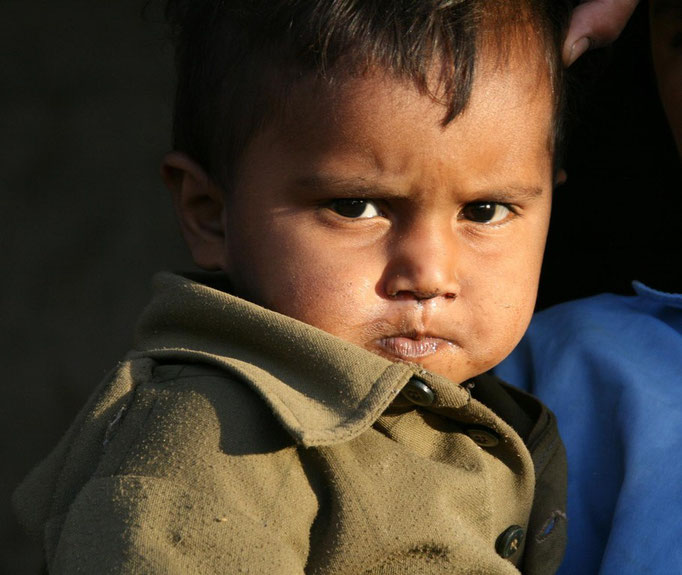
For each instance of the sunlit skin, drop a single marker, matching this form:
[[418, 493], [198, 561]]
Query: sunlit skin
[[666, 48], [362, 215]]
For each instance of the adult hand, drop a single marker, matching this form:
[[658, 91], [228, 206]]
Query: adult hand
[[595, 23]]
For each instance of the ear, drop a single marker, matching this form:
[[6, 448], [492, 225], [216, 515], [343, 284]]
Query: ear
[[199, 206], [560, 178]]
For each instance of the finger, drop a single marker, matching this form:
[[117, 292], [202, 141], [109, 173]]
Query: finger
[[595, 23]]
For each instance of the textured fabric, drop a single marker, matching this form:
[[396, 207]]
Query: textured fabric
[[236, 440], [611, 368]]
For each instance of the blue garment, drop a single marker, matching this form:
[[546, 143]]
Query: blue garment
[[610, 367]]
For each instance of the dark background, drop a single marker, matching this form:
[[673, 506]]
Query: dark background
[[85, 105], [618, 217], [85, 111]]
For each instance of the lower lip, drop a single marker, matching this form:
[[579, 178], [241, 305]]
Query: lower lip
[[411, 349]]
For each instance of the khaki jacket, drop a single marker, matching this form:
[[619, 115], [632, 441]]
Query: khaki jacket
[[237, 440]]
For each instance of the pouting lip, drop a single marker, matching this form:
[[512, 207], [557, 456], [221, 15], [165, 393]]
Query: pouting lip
[[411, 348]]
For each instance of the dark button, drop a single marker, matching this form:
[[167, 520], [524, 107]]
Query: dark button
[[483, 436], [509, 542], [419, 393]]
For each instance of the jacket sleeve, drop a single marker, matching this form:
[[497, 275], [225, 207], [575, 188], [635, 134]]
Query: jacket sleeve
[[196, 477]]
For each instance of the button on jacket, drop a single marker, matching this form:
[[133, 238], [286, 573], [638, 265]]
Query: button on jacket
[[233, 439]]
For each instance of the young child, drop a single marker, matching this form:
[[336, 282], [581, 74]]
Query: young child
[[372, 181]]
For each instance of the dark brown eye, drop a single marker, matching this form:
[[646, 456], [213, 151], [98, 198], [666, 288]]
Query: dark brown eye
[[486, 212], [355, 208]]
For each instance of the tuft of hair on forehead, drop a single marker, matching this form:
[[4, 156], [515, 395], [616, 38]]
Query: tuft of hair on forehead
[[237, 60]]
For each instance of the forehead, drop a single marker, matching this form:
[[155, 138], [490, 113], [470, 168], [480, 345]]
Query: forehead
[[515, 85], [385, 130], [515, 49]]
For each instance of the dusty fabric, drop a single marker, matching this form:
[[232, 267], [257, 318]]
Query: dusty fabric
[[233, 439]]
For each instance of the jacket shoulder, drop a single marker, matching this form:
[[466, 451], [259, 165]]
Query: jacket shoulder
[[188, 412], [178, 473], [47, 488]]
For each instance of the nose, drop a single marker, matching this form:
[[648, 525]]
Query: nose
[[422, 264]]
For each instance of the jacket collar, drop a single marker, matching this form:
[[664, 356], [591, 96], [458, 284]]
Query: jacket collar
[[322, 389]]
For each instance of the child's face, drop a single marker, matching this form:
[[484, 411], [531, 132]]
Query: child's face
[[363, 216]]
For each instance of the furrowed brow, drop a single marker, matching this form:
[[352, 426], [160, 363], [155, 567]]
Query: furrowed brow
[[363, 187], [512, 194], [345, 187]]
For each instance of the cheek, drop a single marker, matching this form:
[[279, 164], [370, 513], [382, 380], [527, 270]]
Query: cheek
[[523, 282], [500, 321], [504, 289], [322, 286]]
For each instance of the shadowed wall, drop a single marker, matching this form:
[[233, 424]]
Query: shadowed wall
[[85, 222]]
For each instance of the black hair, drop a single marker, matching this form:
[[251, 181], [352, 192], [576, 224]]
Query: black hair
[[237, 59]]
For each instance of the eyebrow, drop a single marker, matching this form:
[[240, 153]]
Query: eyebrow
[[506, 193], [363, 187], [349, 187], [667, 8]]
